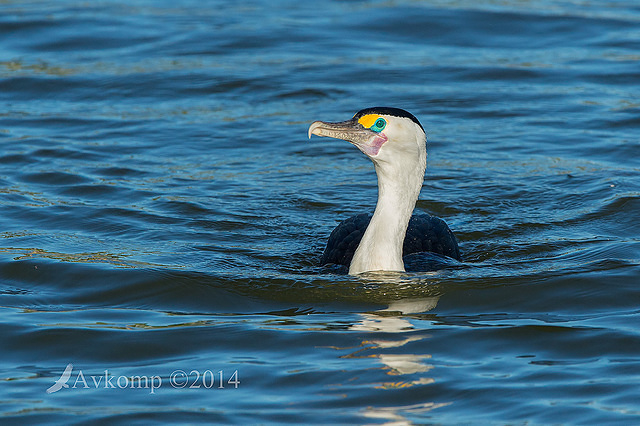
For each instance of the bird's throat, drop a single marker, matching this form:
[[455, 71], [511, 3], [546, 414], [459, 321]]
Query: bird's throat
[[381, 246]]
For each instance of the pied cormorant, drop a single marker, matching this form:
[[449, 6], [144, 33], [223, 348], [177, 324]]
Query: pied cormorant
[[396, 143]]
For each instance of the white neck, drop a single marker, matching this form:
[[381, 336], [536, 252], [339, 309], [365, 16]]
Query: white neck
[[398, 188]]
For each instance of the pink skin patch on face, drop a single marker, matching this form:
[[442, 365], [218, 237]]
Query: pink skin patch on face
[[372, 146]]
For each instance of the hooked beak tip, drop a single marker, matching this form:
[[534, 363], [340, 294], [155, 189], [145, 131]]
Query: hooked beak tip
[[313, 127]]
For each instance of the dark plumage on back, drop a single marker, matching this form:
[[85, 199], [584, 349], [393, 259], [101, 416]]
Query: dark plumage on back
[[425, 233]]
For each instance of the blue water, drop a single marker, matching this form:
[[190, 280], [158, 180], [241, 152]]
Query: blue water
[[163, 212]]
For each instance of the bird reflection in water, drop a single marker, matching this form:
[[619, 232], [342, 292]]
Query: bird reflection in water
[[391, 320]]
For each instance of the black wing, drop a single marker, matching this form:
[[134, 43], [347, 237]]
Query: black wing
[[425, 233], [431, 234], [344, 240]]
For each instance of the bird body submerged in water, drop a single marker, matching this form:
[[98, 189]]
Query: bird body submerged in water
[[395, 141]]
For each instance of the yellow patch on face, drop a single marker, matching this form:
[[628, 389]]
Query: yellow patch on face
[[368, 120]]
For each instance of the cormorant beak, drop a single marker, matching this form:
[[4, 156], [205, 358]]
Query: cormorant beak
[[349, 130], [367, 141]]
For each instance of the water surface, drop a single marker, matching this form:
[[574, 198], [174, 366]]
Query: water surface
[[163, 212]]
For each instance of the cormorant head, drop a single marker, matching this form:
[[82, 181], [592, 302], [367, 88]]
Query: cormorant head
[[385, 135]]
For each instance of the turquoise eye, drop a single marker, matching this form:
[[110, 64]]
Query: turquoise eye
[[379, 125]]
